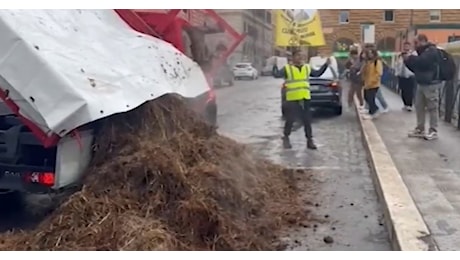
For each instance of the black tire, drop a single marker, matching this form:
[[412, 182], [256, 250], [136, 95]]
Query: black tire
[[338, 111], [10, 201]]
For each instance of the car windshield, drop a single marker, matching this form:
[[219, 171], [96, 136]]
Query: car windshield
[[328, 74], [242, 66], [317, 62]]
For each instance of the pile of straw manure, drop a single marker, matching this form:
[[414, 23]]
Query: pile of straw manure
[[162, 179]]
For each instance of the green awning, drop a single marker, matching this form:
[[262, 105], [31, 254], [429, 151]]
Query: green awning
[[344, 54]]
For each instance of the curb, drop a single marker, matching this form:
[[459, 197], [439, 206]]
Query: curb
[[405, 225]]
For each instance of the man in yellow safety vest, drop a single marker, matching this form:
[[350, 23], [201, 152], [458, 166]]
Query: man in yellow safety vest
[[297, 102]]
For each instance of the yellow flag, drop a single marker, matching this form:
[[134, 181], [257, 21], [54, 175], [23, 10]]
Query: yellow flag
[[298, 27]]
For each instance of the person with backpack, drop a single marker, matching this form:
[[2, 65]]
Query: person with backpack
[[372, 73], [353, 65], [431, 66], [379, 94], [406, 81]]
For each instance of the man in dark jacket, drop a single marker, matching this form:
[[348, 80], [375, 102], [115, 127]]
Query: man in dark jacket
[[425, 66]]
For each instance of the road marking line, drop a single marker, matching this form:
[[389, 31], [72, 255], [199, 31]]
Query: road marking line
[[406, 227]]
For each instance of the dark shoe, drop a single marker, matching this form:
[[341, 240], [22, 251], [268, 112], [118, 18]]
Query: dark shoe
[[286, 143], [311, 145]]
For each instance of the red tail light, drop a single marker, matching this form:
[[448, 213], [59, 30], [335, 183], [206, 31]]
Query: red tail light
[[44, 178], [334, 85]]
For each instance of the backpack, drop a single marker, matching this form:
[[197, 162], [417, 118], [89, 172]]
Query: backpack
[[446, 65]]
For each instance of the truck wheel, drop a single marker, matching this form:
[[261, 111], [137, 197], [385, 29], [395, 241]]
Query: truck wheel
[[9, 201]]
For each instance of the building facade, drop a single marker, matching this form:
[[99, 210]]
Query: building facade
[[387, 28], [257, 24], [194, 16]]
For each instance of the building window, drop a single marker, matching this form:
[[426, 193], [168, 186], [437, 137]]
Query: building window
[[343, 17], [435, 16], [388, 16]]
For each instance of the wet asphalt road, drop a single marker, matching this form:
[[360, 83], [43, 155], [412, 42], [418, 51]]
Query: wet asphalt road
[[344, 196]]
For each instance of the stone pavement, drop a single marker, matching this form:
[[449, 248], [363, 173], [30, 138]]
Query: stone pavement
[[342, 193], [430, 169]]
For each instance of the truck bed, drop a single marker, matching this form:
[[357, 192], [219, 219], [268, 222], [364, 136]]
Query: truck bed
[[67, 68]]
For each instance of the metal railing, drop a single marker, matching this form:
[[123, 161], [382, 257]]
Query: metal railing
[[449, 108]]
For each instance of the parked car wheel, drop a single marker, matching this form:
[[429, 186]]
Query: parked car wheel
[[338, 111]]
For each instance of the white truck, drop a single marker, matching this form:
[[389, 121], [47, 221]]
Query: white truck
[[60, 72], [273, 64]]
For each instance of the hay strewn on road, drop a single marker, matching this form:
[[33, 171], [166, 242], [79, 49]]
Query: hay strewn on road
[[163, 180]]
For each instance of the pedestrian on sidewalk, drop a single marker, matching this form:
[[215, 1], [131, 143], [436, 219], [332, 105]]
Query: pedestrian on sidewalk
[[372, 73], [406, 80], [297, 103], [379, 95], [381, 99], [354, 65], [426, 71]]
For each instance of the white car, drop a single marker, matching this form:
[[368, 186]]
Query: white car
[[245, 70]]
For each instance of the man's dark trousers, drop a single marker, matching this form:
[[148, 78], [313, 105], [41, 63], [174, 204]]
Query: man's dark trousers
[[407, 86], [298, 109]]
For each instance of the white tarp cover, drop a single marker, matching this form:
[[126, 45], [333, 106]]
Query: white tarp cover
[[65, 68]]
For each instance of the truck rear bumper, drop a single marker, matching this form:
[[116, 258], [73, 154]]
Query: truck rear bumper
[[16, 178]]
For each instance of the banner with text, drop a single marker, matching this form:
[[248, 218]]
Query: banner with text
[[298, 27]]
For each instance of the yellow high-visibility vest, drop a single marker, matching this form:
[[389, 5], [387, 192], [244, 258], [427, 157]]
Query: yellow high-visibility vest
[[296, 82]]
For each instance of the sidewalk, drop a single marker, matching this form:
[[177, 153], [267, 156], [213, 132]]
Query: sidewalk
[[430, 169]]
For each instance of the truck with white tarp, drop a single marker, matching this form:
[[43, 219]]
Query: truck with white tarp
[[61, 71]]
